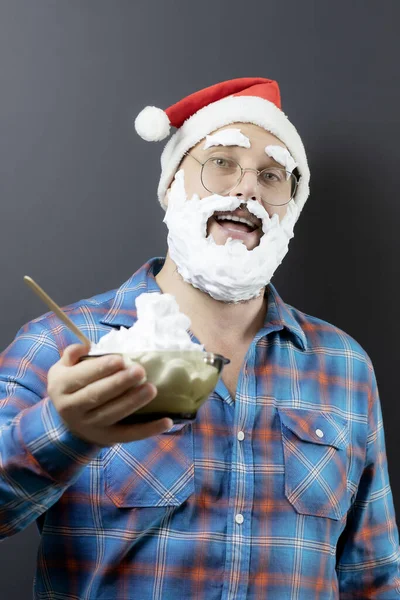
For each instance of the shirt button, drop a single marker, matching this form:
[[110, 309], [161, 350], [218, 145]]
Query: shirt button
[[240, 436], [239, 519], [319, 433]]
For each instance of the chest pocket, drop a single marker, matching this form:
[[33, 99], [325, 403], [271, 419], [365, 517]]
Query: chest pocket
[[157, 471], [315, 454]]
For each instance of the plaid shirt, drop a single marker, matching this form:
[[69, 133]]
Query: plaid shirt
[[282, 493]]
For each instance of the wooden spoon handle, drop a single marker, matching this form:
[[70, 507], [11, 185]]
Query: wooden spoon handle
[[55, 308]]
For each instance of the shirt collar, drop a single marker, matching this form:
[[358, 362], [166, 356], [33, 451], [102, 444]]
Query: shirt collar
[[282, 316], [123, 312]]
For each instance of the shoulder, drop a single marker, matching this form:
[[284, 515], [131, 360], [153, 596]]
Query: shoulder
[[86, 313], [326, 338], [98, 304]]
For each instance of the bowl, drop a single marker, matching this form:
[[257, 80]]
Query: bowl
[[184, 380]]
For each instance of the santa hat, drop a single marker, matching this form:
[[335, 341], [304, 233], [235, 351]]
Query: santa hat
[[246, 100]]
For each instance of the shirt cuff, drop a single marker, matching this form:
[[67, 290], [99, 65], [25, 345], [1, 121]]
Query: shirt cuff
[[59, 453]]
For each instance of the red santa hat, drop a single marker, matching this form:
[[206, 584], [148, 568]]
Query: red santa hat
[[246, 100]]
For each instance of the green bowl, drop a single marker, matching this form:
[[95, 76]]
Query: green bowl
[[184, 380]]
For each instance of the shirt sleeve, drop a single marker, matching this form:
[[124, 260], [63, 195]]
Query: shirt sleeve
[[368, 551], [39, 456]]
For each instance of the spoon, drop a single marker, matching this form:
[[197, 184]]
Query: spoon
[[57, 310]]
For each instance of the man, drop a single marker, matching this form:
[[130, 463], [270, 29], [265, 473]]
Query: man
[[279, 488]]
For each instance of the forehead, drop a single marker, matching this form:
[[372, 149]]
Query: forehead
[[258, 136]]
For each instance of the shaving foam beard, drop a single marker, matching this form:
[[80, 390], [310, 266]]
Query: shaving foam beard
[[229, 272]]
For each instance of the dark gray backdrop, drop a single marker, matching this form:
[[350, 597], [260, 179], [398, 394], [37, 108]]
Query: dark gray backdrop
[[78, 187]]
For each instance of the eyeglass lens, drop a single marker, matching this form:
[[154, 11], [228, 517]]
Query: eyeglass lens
[[221, 175]]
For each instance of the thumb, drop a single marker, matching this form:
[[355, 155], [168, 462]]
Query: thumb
[[73, 353]]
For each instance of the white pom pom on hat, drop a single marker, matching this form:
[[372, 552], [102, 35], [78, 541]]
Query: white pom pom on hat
[[152, 124]]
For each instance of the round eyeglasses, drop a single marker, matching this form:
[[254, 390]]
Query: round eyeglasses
[[220, 175]]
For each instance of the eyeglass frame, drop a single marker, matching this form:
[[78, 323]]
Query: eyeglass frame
[[243, 171]]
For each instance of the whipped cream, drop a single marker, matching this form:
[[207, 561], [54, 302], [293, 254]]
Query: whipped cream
[[159, 326], [227, 137], [282, 156]]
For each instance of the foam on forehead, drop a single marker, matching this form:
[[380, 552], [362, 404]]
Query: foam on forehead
[[282, 156], [227, 137]]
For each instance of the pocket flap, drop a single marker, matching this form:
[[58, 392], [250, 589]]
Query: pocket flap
[[317, 427]]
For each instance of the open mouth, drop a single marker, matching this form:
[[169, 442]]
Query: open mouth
[[235, 226]]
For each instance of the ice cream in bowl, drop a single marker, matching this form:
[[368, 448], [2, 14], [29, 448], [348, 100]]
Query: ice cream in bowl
[[182, 371]]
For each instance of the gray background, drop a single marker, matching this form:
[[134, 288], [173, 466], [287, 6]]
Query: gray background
[[78, 187]]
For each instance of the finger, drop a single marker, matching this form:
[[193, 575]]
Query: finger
[[131, 433], [91, 370], [72, 354], [113, 411], [105, 389]]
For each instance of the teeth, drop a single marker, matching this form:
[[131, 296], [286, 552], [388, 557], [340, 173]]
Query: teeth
[[234, 218]]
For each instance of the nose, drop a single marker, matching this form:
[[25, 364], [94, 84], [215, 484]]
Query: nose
[[248, 187]]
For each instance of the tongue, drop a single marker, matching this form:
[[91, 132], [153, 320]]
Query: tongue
[[235, 225]]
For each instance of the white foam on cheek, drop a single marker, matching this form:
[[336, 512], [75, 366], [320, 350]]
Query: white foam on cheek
[[282, 156], [227, 272], [259, 211], [227, 137], [179, 205]]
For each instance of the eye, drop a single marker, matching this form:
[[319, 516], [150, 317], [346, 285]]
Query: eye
[[222, 163], [272, 175]]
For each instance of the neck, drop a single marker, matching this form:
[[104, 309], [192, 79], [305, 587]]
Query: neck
[[210, 318]]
